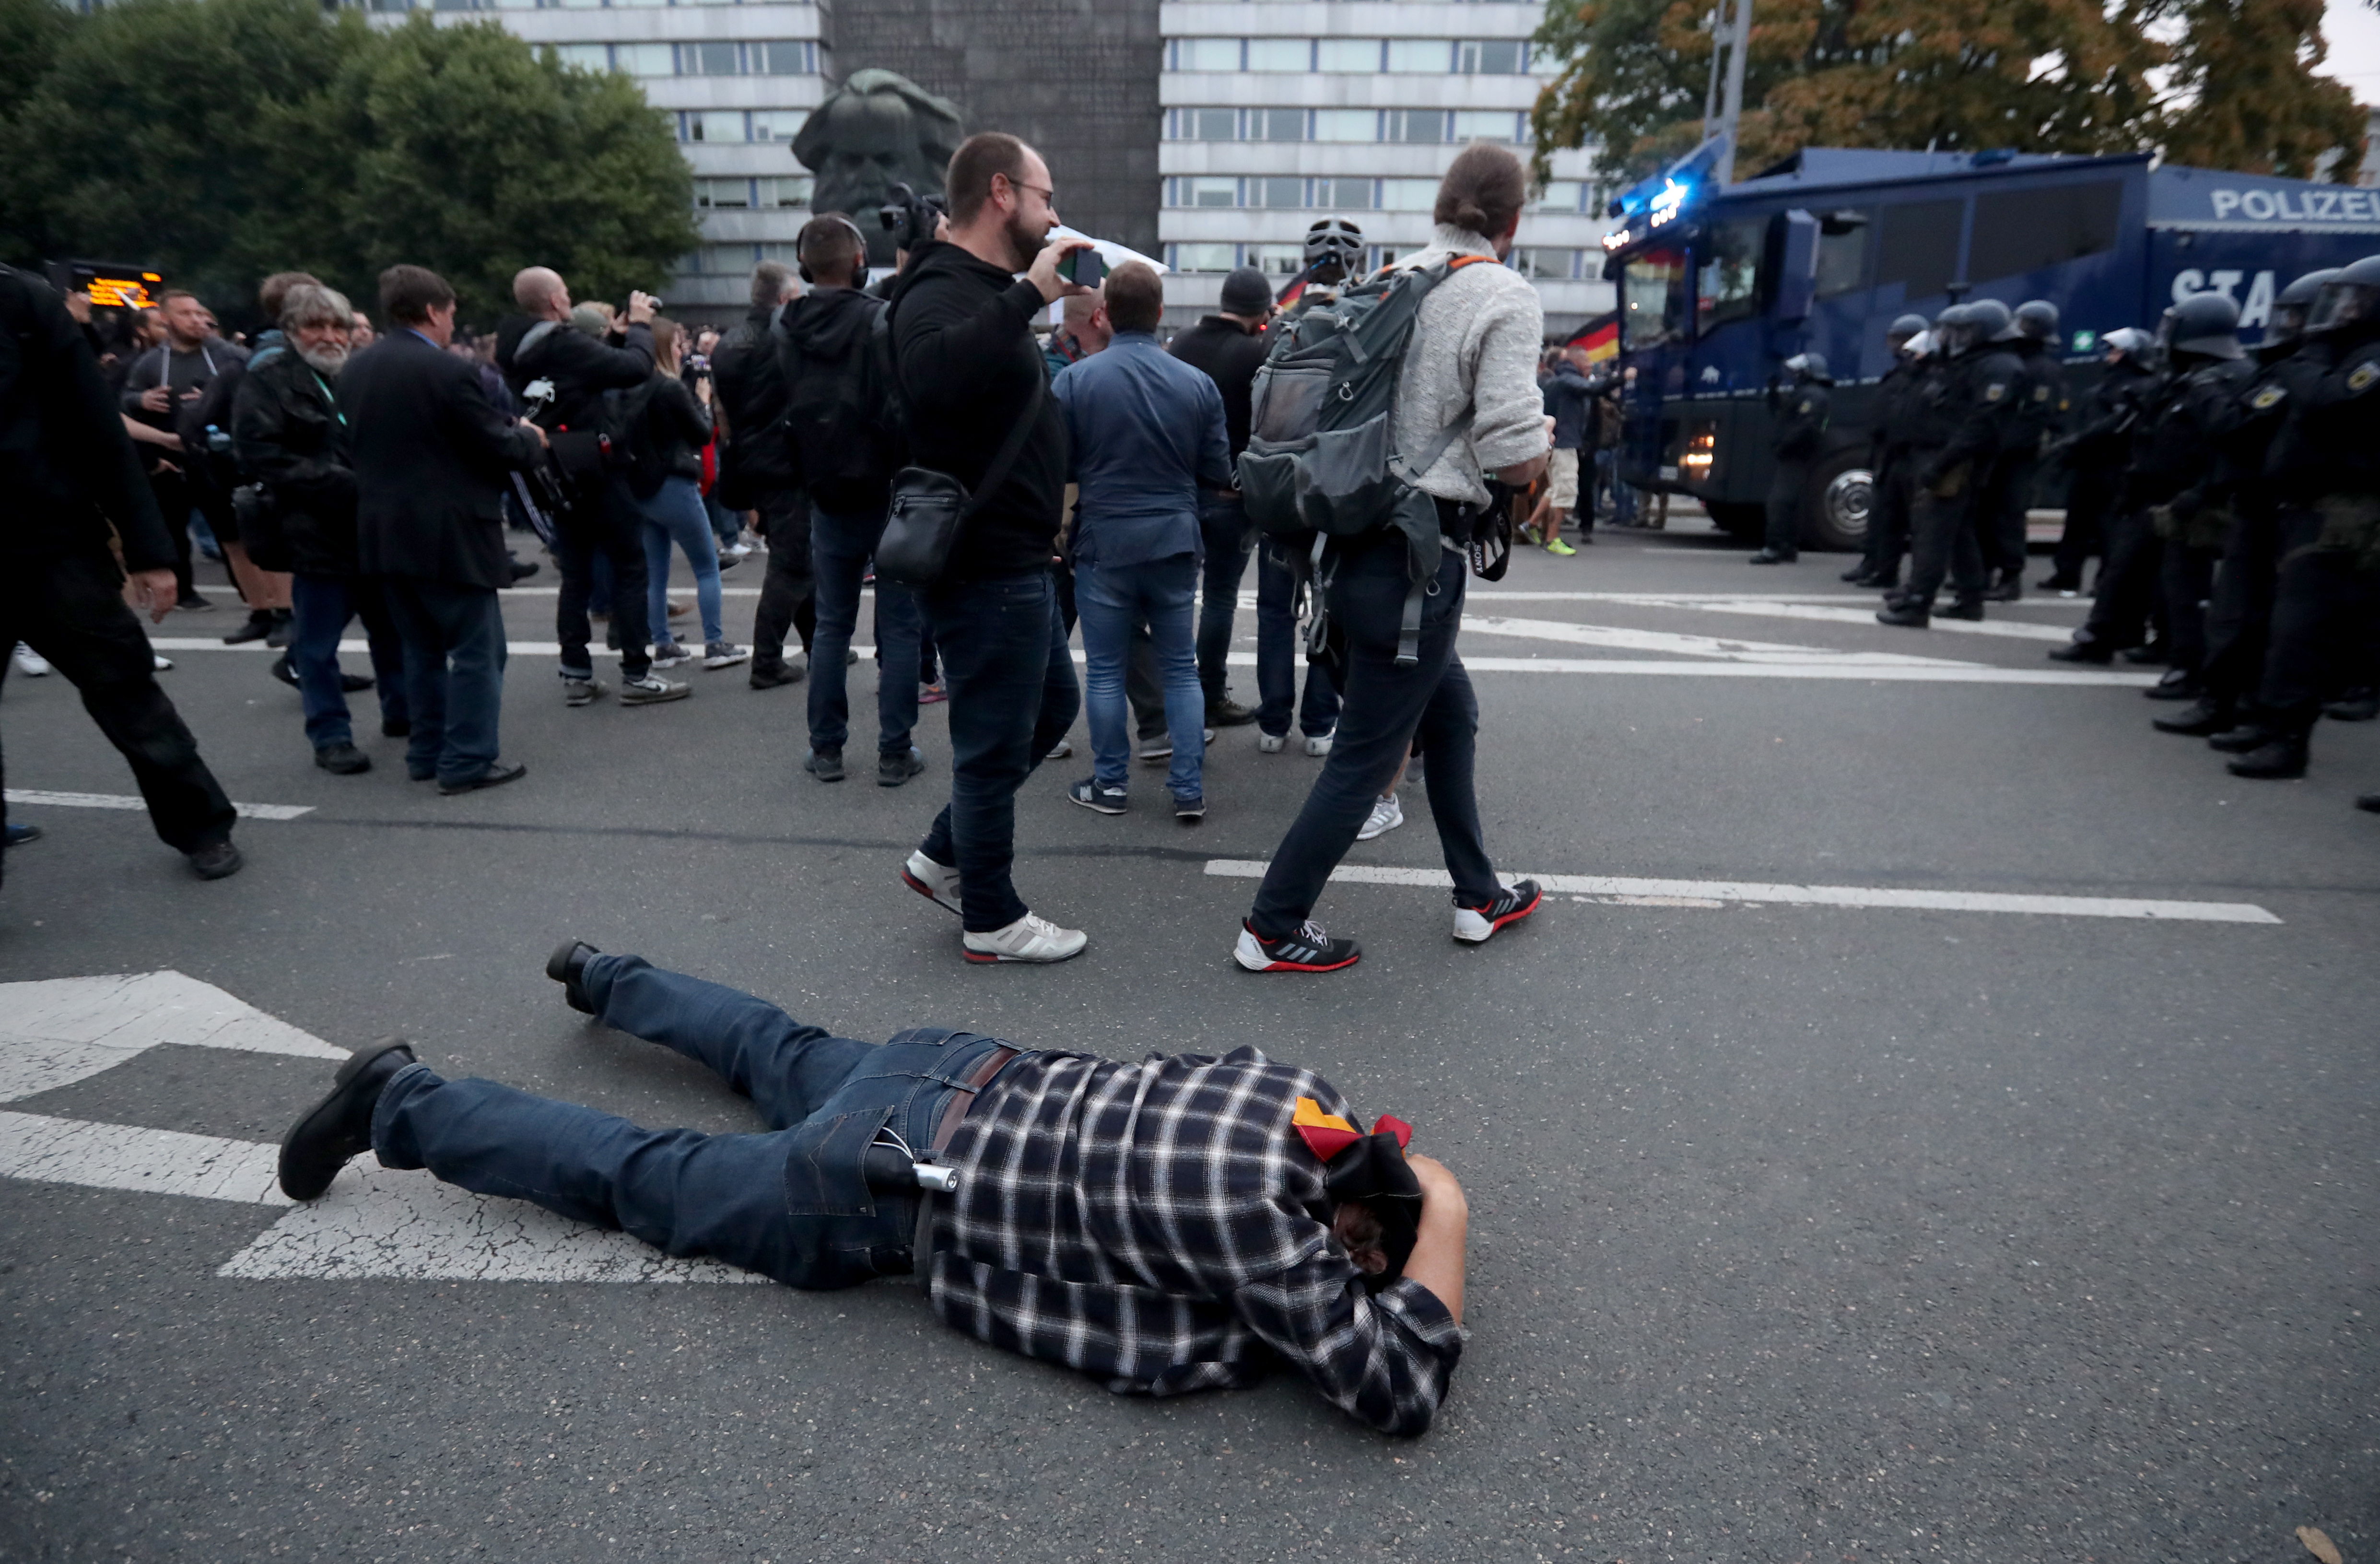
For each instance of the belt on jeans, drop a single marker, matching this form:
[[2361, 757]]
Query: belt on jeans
[[963, 1096]]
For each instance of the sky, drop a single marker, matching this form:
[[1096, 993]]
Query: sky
[[2352, 29]]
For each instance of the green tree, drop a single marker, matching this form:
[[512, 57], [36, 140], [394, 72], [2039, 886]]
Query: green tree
[[2254, 102]]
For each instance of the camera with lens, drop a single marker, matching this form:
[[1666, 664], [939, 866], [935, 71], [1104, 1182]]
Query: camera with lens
[[909, 217]]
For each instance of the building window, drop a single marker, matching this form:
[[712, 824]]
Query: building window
[[585, 56], [1561, 195], [785, 189], [725, 260], [1209, 192], [777, 124], [1204, 258], [1359, 57], [1276, 125], [1343, 194], [779, 58], [720, 195], [1544, 265], [1347, 125], [712, 124], [1408, 195], [1279, 55], [1419, 56], [1492, 56], [1488, 125], [1203, 124], [1203, 53], [1288, 192], [642, 59], [706, 59], [1413, 124], [1278, 260]]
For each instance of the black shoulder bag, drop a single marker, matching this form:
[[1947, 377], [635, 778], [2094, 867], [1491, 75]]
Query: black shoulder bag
[[929, 507]]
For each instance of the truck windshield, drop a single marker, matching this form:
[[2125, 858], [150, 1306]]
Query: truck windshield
[[1726, 278], [1653, 298]]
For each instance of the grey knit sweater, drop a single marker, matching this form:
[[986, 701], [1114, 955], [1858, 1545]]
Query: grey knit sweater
[[1472, 360]]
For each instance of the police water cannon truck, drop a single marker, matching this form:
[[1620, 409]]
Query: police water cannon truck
[[1718, 286]]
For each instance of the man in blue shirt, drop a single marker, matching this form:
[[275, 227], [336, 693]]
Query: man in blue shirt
[[1146, 433]]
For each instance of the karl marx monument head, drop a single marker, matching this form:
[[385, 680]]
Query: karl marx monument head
[[874, 129]]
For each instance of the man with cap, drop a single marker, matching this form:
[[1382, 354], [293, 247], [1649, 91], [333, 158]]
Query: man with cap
[[1168, 1226], [1887, 523], [1802, 410], [1228, 345], [2040, 416]]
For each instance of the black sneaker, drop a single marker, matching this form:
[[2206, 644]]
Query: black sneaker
[[1190, 811], [566, 966], [1222, 711], [342, 759], [282, 672], [825, 764], [258, 626], [1308, 949], [1473, 925], [338, 1129], [216, 860], [1101, 800], [898, 766]]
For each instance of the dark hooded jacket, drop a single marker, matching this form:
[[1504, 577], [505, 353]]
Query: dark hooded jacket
[[754, 456], [839, 443], [288, 434]]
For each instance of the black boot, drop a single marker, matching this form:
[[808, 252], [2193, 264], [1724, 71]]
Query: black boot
[[339, 1127], [2355, 706], [2179, 683], [2281, 759], [2095, 652], [2151, 655], [1907, 613], [1964, 608], [2204, 718], [567, 966], [2247, 736]]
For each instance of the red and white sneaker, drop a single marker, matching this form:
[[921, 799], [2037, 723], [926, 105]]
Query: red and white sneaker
[[1308, 949], [1474, 925], [938, 883]]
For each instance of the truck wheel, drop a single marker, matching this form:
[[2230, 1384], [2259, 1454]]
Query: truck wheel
[[1736, 519], [1837, 506]]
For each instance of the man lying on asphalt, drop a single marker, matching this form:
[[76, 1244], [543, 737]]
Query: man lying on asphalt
[[1167, 1225]]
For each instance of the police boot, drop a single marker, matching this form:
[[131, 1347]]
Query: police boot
[[2147, 656], [2369, 801], [2098, 653], [1907, 612], [2202, 719], [1965, 607], [2177, 683], [2248, 735], [2355, 706], [2279, 758], [2009, 589]]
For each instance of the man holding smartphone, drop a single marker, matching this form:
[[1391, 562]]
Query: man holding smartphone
[[968, 369]]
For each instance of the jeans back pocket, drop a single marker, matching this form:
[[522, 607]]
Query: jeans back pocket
[[826, 1172]]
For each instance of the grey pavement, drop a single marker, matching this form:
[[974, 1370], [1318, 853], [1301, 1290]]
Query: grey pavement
[[1815, 1233]]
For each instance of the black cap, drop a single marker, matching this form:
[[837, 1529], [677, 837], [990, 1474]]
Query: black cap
[[1245, 292]]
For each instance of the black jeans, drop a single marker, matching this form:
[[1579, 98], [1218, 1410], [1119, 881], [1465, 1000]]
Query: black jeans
[[2010, 498], [1943, 544], [2088, 497], [2187, 580], [604, 520], [1784, 505], [72, 612], [788, 593], [1387, 708], [2239, 615], [1277, 655], [1223, 526], [840, 548], [2323, 608], [1012, 696], [2126, 591], [1887, 517]]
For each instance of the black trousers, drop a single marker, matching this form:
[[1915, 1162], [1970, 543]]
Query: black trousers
[[1784, 536], [602, 520], [1889, 518], [2129, 584], [2186, 579], [2239, 612], [2323, 606], [2088, 499], [173, 502], [788, 593], [1943, 544], [72, 612], [2009, 497]]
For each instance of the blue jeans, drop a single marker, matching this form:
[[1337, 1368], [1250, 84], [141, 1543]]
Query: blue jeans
[[1223, 529], [1013, 697], [840, 548], [1277, 647], [674, 515], [320, 609], [792, 1204], [454, 676], [1112, 600], [1388, 708]]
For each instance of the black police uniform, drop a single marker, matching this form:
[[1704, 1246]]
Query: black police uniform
[[2095, 462], [67, 471], [1973, 409], [1802, 410], [1889, 460], [756, 473], [2040, 416]]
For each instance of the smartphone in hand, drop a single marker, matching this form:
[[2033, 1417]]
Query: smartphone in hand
[[1083, 267]]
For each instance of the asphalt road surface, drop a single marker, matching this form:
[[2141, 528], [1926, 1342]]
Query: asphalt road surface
[[1959, 1213]]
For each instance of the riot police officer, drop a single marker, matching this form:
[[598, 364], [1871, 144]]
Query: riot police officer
[[1887, 516], [2326, 462], [1971, 413], [2095, 454], [2173, 441], [2040, 417], [2238, 613], [1802, 412]]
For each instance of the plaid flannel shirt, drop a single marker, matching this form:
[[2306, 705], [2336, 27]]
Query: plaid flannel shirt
[[1161, 1226]]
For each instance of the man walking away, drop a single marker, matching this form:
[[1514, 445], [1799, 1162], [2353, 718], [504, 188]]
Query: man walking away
[[1801, 414], [757, 473], [68, 471], [432, 459], [1147, 434], [843, 450], [961, 327], [1468, 389], [291, 436], [536, 350], [1228, 345]]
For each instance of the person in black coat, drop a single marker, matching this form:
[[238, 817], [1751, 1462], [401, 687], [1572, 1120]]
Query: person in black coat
[[1801, 414], [67, 472], [757, 473], [431, 463], [291, 441]]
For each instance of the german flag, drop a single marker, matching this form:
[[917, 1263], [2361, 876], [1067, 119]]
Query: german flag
[[1599, 337]]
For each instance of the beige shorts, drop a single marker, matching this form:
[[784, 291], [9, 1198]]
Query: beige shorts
[[1561, 480]]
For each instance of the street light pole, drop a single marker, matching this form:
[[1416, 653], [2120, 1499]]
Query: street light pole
[[1732, 111]]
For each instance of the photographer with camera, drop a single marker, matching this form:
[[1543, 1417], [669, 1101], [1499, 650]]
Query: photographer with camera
[[914, 221], [978, 397], [757, 473], [561, 375]]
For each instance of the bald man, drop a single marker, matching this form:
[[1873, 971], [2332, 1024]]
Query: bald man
[[537, 349]]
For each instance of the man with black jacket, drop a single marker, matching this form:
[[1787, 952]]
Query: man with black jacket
[[1888, 516], [839, 448], [67, 470], [432, 465], [973, 382], [2039, 417], [290, 437], [757, 473], [537, 349], [1802, 410], [1964, 420], [2094, 456], [1228, 345]]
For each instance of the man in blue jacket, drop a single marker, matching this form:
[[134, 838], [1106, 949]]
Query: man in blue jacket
[[1146, 433]]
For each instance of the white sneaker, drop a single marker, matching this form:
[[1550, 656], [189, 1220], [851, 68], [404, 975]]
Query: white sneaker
[[1319, 746], [1064, 750], [159, 661], [30, 663], [938, 883], [1030, 938], [1386, 816], [1271, 744]]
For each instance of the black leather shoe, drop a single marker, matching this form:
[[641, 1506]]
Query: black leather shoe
[[773, 676], [1222, 711], [1771, 557], [2355, 706], [1965, 607], [216, 860], [1908, 613], [283, 629], [495, 775], [521, 569], [342, 759], [2149, 656], [2281, 759], [256, 627], [2179, 683], [2369, 801], [2083, 651], [282, 672], [338, 1129], [2053, 583], [2203, 720], [355, 683], [1857, 574], [2241, 739], [2009, 589], [566, 966]]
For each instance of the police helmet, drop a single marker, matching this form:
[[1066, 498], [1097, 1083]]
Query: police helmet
[[2290, 305], [2206, 323], [2129, 341], [1991, 320], [2038, 318], [1904, 328], [1919, 345], [1809, 367], [1334, 251], [1953, 330], [2349, 296]]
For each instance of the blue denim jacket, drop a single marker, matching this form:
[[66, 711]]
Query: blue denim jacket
[[1146, 433]]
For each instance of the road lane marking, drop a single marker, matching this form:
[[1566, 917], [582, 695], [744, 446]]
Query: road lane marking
[[1855, 616], [55, 1031], [1619, 638], [126, 801], [70, 1151], [1689, 892]]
